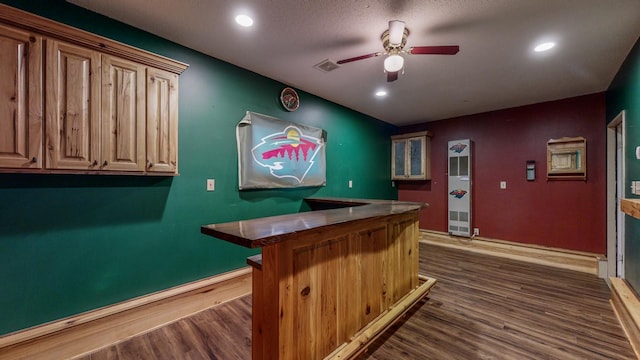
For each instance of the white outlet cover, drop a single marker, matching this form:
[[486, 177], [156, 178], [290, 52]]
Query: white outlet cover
[[211, 184], [503, 184]]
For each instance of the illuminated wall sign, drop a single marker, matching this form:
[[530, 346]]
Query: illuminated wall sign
[[274, 153]]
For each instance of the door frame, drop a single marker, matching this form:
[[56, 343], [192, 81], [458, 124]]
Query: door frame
[[613, 209]]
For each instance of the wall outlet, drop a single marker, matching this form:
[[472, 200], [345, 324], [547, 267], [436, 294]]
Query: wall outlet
[[211, 184], [476, 231]]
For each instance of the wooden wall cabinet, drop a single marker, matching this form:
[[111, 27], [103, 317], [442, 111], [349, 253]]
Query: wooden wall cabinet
[[20, 99], [110, 108], [410, 156], [73, 107], [123, 114], [162, 121]]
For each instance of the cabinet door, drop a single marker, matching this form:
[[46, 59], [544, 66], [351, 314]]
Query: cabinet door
[[162, 121], [399, 158], [20, 99], [123, 115], [72, 100], [416, 158]]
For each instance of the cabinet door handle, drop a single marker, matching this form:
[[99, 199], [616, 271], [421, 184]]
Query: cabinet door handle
[[150, 164], [95, 163], [34, 160], [105, 163]]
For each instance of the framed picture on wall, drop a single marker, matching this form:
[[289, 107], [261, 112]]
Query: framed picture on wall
[[567, 158]]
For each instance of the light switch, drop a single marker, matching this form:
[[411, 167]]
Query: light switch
[[503, 184], [211, 184], [350, 184]]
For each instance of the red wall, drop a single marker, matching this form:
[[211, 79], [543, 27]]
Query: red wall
[[562, 214]]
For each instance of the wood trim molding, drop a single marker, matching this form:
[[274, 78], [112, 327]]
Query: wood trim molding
[[560, 258], [84, 333], [630, 207], [413, 134], [84, 172], [626, 305], [53, 29]]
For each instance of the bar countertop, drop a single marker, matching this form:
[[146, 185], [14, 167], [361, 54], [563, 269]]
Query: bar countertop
[[264, 231]]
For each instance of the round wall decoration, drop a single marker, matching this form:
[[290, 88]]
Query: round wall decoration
[[289, 99]]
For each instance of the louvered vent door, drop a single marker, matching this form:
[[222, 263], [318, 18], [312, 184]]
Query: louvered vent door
[[459, 187]]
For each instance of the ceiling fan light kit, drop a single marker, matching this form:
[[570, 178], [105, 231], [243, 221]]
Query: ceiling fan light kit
[[396, 31], [396, 40], [393, 63], [393, 41]]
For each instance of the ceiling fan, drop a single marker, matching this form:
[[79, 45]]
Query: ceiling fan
[[393, 41]]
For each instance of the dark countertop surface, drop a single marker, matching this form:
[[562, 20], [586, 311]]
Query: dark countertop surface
[[261, 232]]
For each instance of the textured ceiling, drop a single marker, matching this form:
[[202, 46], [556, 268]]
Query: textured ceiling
[[494, 69]]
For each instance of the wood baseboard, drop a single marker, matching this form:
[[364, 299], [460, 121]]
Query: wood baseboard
[[560, 258], [626, 305], [84, 333]]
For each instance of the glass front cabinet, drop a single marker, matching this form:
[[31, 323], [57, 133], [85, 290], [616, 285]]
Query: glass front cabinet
[[410, 156]]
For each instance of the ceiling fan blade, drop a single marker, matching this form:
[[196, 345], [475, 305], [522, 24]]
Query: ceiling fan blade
[[392, 76], [396, 31], [434, 50], [361, 57]]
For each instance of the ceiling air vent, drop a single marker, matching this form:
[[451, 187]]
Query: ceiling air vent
[[326, 65]]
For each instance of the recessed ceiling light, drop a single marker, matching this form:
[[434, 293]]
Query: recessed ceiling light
[[544, 46], [244, 20], [381, 93]]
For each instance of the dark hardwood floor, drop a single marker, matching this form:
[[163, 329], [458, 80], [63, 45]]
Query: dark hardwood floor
[[482, 307], [485, 307]]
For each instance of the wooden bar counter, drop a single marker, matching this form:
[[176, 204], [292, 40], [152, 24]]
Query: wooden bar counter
[[329, 281]]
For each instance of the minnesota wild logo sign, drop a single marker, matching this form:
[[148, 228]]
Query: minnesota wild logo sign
[[458, 148], [273, 153], [288, 153], [458, 193]]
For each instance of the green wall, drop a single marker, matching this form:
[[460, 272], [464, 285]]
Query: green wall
[[72, 243], [624, 94]]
